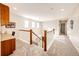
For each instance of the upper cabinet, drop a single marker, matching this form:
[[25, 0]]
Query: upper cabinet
[[4, 14]]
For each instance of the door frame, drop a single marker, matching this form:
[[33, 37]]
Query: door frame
[[60, 22]]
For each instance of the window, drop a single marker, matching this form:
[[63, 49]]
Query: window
[[26, 24], [37, 25], [33, 24]]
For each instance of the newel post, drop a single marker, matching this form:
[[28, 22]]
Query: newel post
[[45, 40], [42, 41], [30, 36]]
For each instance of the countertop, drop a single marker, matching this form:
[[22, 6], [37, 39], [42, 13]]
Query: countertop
[[5, 36]]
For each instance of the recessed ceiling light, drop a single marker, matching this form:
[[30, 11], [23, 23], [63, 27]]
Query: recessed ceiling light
[[61, 9]]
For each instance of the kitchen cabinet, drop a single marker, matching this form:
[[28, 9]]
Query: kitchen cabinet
[[4, 14], [7, 47]]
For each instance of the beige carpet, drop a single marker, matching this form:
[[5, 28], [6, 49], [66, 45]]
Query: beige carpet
[[24, 49], [62, 46]]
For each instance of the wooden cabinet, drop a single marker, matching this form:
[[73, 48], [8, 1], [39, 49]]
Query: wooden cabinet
[[7, 47], [4, 14], [3, 48], [13, 44]]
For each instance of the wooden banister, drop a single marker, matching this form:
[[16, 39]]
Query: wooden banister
[[45, 40], [49, 31], [42, 41], [24, 30], [36, 35], [30, 31], [30, 36]]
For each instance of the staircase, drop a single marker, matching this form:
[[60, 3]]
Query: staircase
[[24, 49], [43, 39]]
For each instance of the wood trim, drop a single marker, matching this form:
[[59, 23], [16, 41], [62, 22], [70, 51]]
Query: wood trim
[[42, 41], [30, 36], [24, 30], [30, 31], [45, 40]]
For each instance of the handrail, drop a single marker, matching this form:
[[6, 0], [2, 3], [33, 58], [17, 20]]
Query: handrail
[[36, 35], [43, 38], [49, 31], [24, 30]]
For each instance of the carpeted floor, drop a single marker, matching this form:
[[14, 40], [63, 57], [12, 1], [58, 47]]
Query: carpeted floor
[[24, 49], [62, 46]]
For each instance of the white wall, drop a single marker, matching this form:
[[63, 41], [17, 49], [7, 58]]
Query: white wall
[[74, 33], [49, 25], [20, 25]]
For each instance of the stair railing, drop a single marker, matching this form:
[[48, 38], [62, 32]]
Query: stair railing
[[37, 38], [36, 35], [44, 38]]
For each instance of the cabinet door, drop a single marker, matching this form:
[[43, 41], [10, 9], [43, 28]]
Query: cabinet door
[[4, 14], [8, 46], [13, 44], [3, 48], [0, 14]]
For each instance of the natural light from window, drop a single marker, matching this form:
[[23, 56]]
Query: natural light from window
[[26, 24], [33, 24], [37, 25]]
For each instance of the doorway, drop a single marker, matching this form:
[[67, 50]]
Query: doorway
[[63, 27]]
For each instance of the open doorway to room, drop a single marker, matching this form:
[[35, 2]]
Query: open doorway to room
[[63, 27]]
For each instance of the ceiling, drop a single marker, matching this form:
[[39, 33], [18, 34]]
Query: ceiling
[[43, 11]]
